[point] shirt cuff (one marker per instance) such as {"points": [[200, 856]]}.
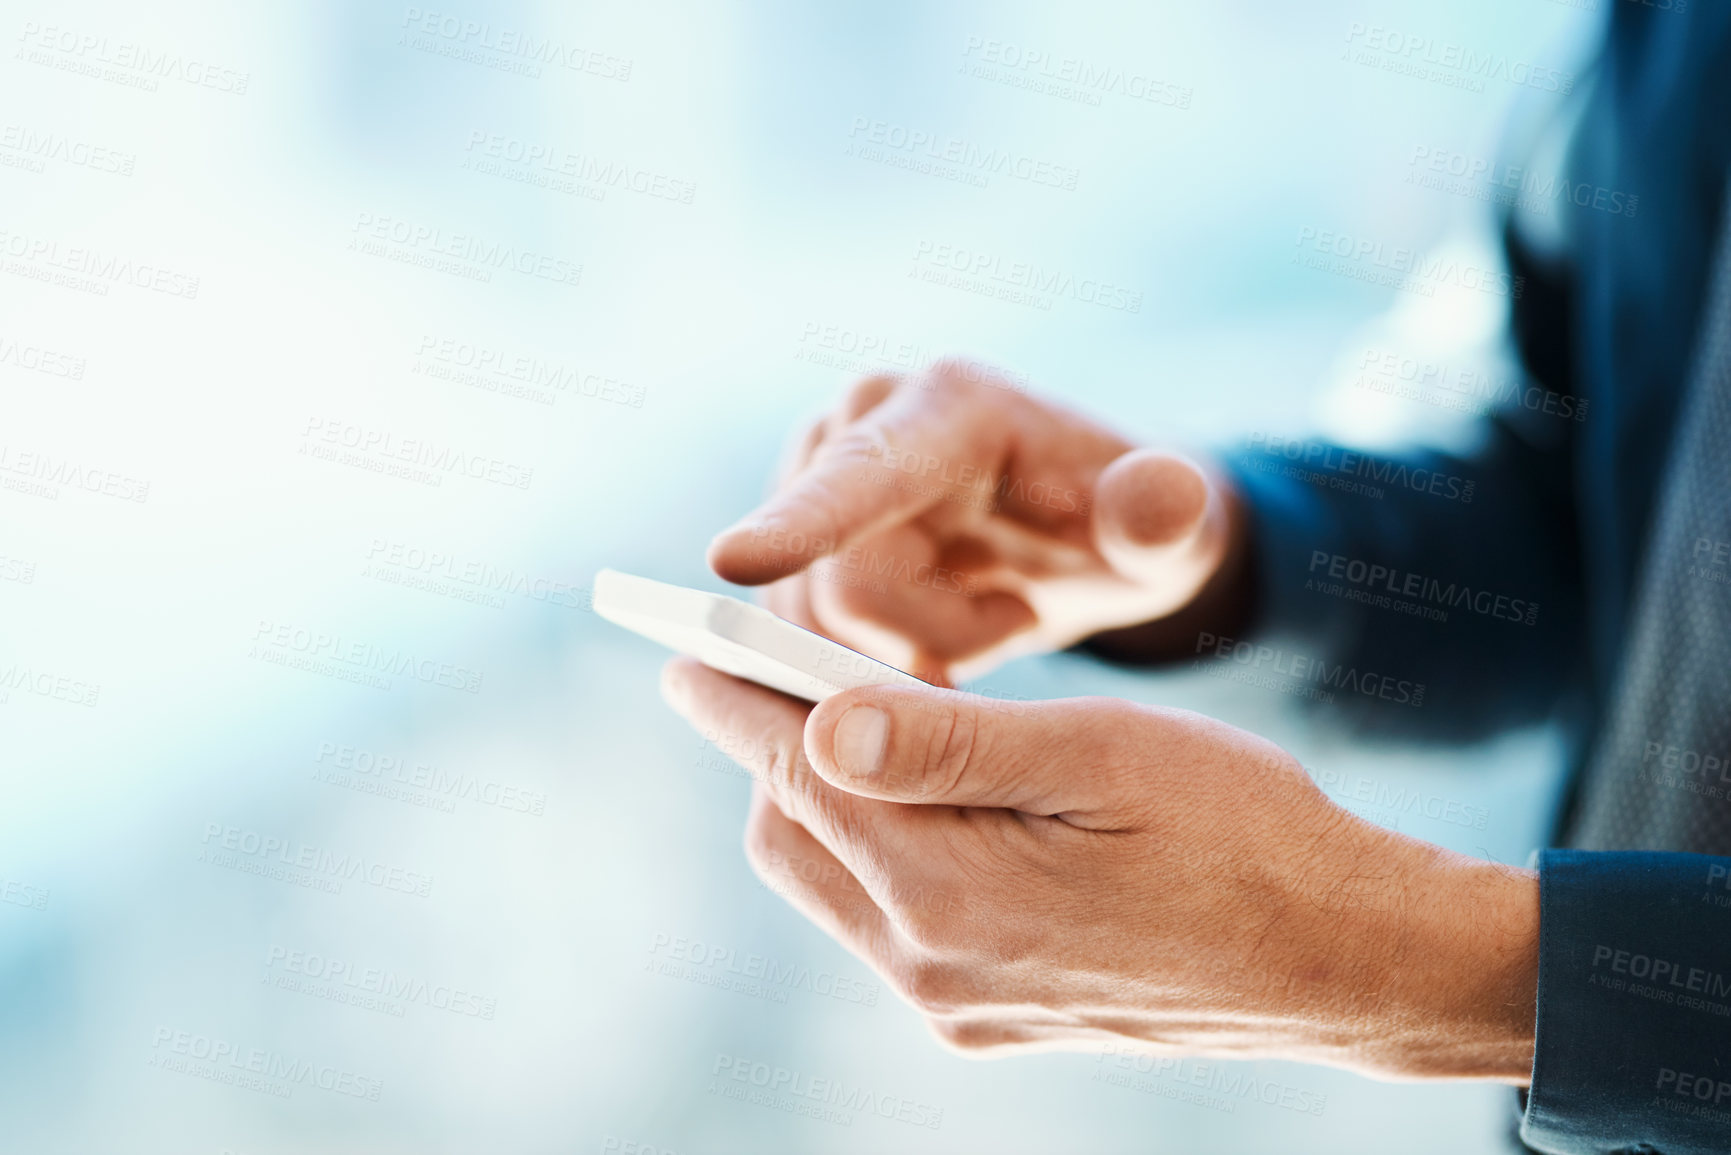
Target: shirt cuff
{"points": [[1633, 1046]]}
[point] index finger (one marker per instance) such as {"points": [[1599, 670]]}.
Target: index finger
{"points": [[887, 466]]}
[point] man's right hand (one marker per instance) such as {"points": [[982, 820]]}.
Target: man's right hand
{"points": [[947, 523]]}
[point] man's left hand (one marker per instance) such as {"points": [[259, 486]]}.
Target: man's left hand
{"points": [[1062, 875]]}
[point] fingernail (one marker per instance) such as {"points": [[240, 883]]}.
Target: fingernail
{"points": [[859, 740]]}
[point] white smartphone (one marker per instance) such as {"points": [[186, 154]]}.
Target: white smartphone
{"points": [[739, 638]]}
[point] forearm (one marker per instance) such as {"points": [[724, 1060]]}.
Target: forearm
{"points": [[1462, 984], [1409, 961]]}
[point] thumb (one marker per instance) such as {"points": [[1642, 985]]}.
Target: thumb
{"points": [[945, 747], [1153, 507]]}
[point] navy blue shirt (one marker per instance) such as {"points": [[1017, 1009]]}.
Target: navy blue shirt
{"points": [[1545, 526]]}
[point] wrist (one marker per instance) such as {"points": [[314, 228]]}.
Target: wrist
{"points": [[1459, 982]]}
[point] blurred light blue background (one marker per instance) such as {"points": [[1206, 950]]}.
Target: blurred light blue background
{"points": [[302, 161]]}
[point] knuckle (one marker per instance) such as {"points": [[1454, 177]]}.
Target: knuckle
{"points": [[861, 441], [927, 924], [968, 1036], [797, 452], [952, 750], [760, 848], [803, 440], [955, 375], [773, 764], [929, 986], [855, 599], [824, 501], [772, 868], [783, 764], [865, 393]]}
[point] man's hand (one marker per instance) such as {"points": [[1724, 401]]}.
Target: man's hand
{"points": [[947, 523], [1059, 875]]}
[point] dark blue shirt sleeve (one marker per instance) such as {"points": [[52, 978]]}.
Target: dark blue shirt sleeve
{"points": [[1634, 1015], [1458, 576]]}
